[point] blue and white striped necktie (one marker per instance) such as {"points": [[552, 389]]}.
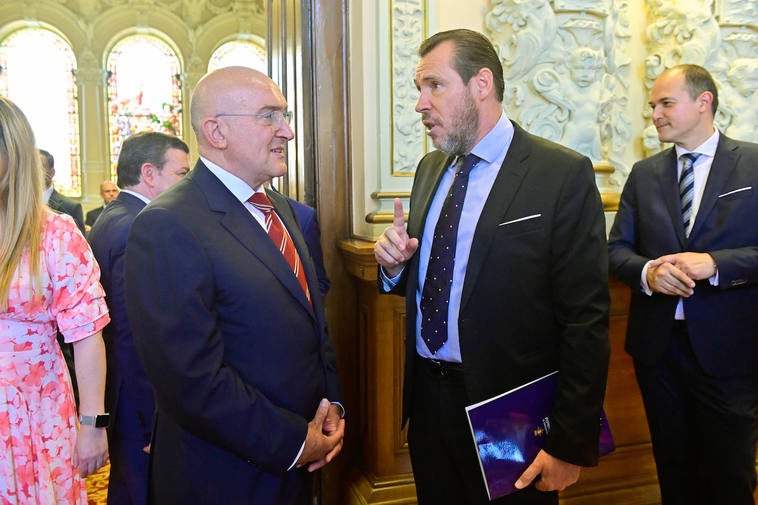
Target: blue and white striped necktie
{"points": [[687, 188]]}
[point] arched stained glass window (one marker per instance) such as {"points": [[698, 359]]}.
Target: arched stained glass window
{"points": [[144, 90], [37, 72], [242, 53]]}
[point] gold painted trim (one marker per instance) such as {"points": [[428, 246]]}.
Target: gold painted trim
{"points": [[382, 217], [386, 195]]}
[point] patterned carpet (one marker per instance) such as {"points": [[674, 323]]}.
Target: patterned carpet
{"points": [[97, 486]]}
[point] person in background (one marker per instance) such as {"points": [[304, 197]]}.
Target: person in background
{"points": [[55, 200], [526, 294], [227, 319], [685, 241], [63, 205], [148, 164], [308, 222], [48, 282], [108, 192]]}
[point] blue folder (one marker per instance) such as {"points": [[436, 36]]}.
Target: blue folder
{"points": [[509, 430]]}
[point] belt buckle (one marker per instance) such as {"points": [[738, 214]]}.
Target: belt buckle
{"points": [[439, 367]]}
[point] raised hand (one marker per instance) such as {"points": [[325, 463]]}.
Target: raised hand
{"points": [[394, 248]]}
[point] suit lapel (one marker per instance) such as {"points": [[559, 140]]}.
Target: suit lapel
{"points": [[504, 189], [285, 213], [425, 187], [236, 219], [724, 163]]}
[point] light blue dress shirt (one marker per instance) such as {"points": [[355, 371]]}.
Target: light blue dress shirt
{"points": [[491, 149]]}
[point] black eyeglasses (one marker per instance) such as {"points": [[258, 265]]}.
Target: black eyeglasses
{"points": [[273, 118]]}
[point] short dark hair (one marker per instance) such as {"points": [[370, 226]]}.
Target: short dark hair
{"points": [[698, 80], [141, 148], [473, 52], [48, 161]]}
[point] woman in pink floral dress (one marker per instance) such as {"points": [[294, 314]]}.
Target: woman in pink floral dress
{"points": [[48, 281]]}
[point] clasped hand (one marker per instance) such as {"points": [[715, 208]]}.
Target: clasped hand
{"points": [[325, 436], [675, 274], [395, 247]]}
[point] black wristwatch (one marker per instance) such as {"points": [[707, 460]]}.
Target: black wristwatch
{"points": [[98, 421]]}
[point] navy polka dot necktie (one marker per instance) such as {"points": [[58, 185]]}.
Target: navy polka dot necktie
{"points": [[435, 295]]}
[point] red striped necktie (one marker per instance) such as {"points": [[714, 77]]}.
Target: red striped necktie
{"points": [[281, 238]]}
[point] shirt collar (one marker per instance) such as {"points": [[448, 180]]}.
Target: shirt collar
{"points": [[136, 195], [239, 188], [707, 148], [491, 146]]}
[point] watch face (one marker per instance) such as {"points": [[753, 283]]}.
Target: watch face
{"points": [[102, 421]]}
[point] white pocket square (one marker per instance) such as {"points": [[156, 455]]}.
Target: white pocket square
{"points": [[746, 188], [525, 218]]}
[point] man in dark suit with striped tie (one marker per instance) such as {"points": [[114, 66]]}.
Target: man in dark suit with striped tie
{"points": [[227, 319], [686, 242]]}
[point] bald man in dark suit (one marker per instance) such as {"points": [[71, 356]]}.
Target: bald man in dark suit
{"points": [[229, 324]]}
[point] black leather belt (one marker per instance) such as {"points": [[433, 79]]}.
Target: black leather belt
{"points": [[441, 368]]}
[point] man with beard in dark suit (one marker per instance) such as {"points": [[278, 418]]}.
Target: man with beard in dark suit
{"points": [[512, 289]]}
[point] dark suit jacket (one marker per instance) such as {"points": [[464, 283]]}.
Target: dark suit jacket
{"points": [[126, 375], [93, 215], [238, 357], [65, 205], [535, 296], [722, 320], [306, 218]]}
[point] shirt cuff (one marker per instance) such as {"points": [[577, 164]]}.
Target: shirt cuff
{"points": [[342, 408], [297, 457], [643, 280], [387, 282]]}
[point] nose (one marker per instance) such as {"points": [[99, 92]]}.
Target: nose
{"points": [[657, 112], [422, 103], [285, 130]]}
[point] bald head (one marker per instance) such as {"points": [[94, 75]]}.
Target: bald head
{"points": [[239, 116], [224, 90]]}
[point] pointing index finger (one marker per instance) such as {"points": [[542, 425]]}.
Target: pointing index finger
{"points": [[399, 219]]}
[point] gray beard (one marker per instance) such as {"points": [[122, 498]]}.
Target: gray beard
{"points": [[461, 140]]}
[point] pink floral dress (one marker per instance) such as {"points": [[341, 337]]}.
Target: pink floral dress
{"points": [[37, 412]]}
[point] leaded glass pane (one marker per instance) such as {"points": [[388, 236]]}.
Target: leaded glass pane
{"points": [[242, 53], [144, 90], [37, 72]]}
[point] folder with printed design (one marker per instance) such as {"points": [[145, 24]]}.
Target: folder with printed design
{"points": [[509, 430]]}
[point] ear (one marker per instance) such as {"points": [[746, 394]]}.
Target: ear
{"points": [[147, 171], [482, 83], [214, 134], [704, 101]]}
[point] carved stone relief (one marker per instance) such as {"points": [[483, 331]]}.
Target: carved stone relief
{"points": [[567, 74], [408, 138]]}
